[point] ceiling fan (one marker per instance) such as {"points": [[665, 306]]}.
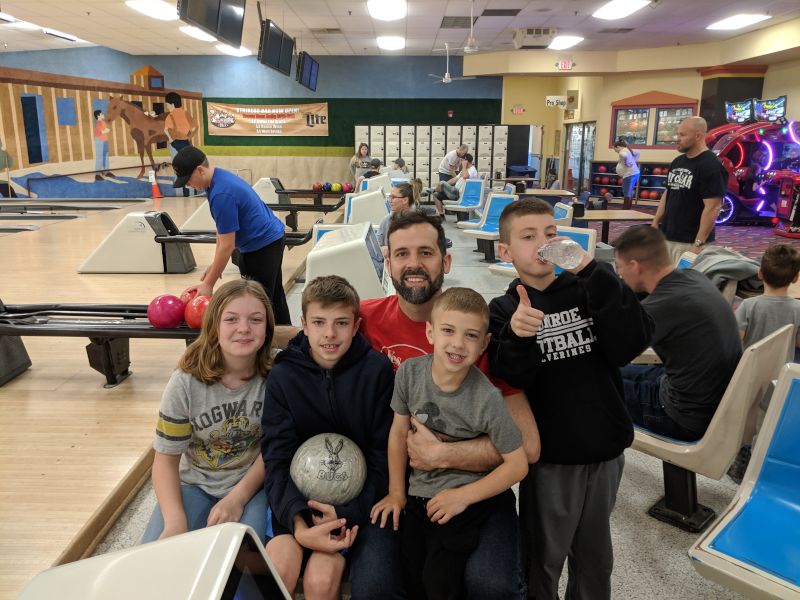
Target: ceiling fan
{"points": [[471, 47], [447, 78]]}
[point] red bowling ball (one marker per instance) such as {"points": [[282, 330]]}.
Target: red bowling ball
{"points": [[603, 191], [193, 315], [602, 169], [597, 179], [165, 312], [605, 180], [317, 187]]}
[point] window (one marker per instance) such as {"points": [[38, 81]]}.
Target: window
{"points": [[667, 121], [65, 109], [631, 124]]}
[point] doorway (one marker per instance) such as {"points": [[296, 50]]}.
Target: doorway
{"points": [[35, 133], [578, 153]]}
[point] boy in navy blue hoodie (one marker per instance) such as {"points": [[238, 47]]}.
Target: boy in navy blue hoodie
{"points": [[561, 339], [328, 380]]}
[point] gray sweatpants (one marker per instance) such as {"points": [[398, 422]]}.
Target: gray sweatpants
{"points": [[564, 513]]}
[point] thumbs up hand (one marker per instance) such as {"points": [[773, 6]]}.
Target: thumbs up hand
{"points": [[526, 320]]}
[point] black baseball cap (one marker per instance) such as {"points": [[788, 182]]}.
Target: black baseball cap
{"points": [[375, 163], [185, 162]]}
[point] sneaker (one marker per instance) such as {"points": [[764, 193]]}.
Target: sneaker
{"points": [[98, 177], [109, 174], [739, 466]]}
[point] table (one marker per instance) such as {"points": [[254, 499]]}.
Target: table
{"points": [[606, 216]]}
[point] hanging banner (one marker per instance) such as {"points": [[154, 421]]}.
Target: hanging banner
{"points": [[267, 120]]}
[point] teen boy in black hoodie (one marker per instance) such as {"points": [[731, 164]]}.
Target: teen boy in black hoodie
{"points": [[561, 339], [328, 380]]}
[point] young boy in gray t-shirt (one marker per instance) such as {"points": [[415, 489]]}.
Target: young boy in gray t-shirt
{"points": [[760, 316], [445, 508]]}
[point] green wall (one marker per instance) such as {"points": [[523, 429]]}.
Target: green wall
{"points": [[344, 114]]}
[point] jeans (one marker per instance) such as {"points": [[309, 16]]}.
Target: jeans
{"points": [[101, 155], [641, 384], [197, 504], [628, 185], [375, 564]]}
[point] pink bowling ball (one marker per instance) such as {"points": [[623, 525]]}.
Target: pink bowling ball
{"points": [[165, 312]]}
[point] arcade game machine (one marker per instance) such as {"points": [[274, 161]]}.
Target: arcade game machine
{"points": [[762, 157]]}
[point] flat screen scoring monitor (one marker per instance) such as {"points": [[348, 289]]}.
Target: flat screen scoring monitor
{"points": [[221, 18], [275, 48], [307, 70]]}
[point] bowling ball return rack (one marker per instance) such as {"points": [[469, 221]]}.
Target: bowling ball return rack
{"points": [[109, 328]]}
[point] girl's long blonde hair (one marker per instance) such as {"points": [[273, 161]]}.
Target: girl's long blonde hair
{"points": [[203, 359]]}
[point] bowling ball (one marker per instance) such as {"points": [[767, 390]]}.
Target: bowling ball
{"points": [[187, 297], [326, 187], [602, 169], [603, 191], [657, 171], [329, 468], [193, 314], [165, 312], [317, 187], [654, 195], [644, 181], [596, 179], [605, 180], [665, 171], [336, 187]]}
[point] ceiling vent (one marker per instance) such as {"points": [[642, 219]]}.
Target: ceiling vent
{"points": [[534, 38], [327, 31], [616, 30], [455, 22], [500, 12]]}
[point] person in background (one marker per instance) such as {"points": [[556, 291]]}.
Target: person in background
{"points": [[101, 146], [208, 467], [451, 189], [693, 196], [179, 125], [399, 165], [359, 163], [628, 169], [243, 223], [402, 197], [450, 163]]}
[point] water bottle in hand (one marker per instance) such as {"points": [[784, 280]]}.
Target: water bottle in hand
{"points": [[566, 254]]}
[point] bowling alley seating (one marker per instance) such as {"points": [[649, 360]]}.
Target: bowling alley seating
{"points": [[587, 238], [483, 212], [470, 199], [752, 547], [377, 182], [733, 425], [489, 233]]}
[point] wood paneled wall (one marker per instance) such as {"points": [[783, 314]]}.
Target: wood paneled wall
{"points": [[67, 143]]}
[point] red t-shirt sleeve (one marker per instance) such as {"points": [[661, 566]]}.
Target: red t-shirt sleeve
{"points": [[505, 389]]}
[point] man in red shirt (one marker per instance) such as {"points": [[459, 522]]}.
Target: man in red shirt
{"points": [[395, 326]]}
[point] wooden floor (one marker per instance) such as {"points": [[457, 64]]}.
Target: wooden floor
{"points": [[69, 441]]}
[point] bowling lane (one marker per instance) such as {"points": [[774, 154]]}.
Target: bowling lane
{"points": [[70, 441]]}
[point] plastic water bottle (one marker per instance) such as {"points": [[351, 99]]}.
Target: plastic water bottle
{"points": [[566, 254]]}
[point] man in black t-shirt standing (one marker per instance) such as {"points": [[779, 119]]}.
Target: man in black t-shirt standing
{"points": [[695, 186]]}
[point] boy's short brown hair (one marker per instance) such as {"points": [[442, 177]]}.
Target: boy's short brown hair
{"points": [[329, 290], [520, 208], [463, 300], [780, 265]]}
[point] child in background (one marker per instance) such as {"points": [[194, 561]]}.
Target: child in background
{"points": [[328, 380], [207, 468], [762, 315], [562, 338], [445, 508]]}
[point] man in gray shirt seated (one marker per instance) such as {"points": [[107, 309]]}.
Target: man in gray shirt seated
{"points": [[695, 336]]}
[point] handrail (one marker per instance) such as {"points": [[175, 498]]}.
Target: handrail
{"points": [[159, 166]]}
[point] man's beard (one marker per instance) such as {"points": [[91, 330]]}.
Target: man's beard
{"points": [[418, 294]]}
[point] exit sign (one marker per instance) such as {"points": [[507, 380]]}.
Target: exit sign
{"points": [[565, 65]]}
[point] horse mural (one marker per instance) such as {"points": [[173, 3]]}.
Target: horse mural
{"points": [[145, 130]]}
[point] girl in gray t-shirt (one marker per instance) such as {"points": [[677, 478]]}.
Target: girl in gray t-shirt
{"points": [[208, 467]]}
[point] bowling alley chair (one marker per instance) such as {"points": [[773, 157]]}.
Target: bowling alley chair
{"points": [[752, 547], [733, 425], [489, 231], [484, 212], [470, 200]]}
